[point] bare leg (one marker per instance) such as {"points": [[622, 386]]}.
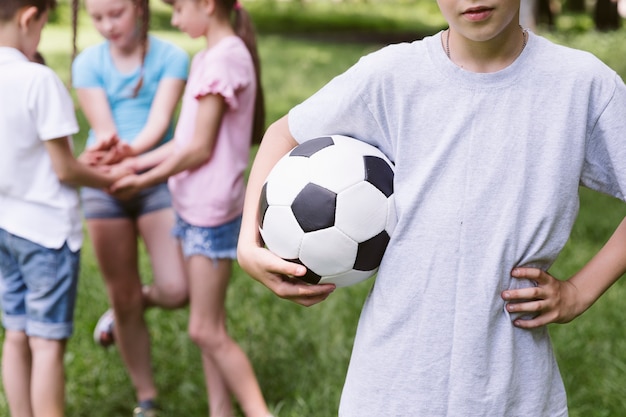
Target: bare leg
{"points": [[115, 246], [170, 287], [48, 377], [16, 372], [220, 402], [207, 329]]}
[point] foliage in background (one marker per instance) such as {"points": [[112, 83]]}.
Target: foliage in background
{"points": [[301, 354]]}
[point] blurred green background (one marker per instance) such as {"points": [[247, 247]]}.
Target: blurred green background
{"points": [[301, 354]]}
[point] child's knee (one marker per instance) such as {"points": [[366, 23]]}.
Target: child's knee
{"points": [[207, 339], [171, 295]]}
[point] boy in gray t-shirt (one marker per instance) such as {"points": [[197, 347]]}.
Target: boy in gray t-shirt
{"points": [[492, 129]]}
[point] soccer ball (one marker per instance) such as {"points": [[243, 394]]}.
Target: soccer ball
{"points": [[328, 204]]}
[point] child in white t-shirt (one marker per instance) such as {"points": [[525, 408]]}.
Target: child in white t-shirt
{"points": [[40, 222]]}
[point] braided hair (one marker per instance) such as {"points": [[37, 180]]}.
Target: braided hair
{"points": [[244, 28]]}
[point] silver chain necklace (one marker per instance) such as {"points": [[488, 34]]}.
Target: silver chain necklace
{"points": [[524, 41]]}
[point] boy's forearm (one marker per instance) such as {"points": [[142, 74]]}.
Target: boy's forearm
{"points": [[604, 269], [80, 175], [71, 171], [276, 143]]}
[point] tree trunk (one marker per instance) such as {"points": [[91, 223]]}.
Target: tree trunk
{"points": [[544, 13], [533, 12], [575, 6], [605, 15]]}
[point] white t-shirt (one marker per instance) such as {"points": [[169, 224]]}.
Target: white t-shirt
{"points": [[34, 106], [487, 174]]}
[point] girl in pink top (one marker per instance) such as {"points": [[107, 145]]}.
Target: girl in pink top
{"points": [[221, 113]]}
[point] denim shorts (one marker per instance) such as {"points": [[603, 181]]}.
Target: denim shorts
{"points": [[218, 242], [99, 205], [38, 287]]}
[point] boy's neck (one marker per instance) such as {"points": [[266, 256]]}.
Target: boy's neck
{"points": [[9, 35], [487, 56]]}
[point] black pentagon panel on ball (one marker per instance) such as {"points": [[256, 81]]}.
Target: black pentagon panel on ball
{"points": [[379, 174], [310, 277], [263, 205], [314, 208], [308, 148], [370, 252]]}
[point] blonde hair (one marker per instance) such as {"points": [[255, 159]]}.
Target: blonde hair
{"points": [[144, 8]]}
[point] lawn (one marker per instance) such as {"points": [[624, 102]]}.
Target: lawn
{"points": [[301, 355]]}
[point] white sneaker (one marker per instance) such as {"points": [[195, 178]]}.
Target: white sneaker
{"points": [[103, 333], [142, 412], [147, 408]]}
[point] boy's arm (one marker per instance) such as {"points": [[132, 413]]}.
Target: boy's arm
{"points": [[71, 172], [561, 301], [267, 268]]}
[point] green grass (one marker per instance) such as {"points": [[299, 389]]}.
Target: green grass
{"points": [[301, 355]]}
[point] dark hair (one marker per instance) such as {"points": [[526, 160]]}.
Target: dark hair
{"points": [[244, 28], [38, 58], [144, 8], [10, 7]]}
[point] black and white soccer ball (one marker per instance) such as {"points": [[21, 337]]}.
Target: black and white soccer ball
{"points": [[329, 205]]}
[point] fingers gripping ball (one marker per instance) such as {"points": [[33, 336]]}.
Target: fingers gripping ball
{"points": [[329, 205]]}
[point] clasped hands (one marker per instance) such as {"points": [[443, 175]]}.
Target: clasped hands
{"points": [[112, 155]]}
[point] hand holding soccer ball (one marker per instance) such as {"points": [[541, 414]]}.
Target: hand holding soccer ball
{"points": [[329, 205]]}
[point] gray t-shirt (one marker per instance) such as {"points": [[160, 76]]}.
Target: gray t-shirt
{"points": [[487, 174]]}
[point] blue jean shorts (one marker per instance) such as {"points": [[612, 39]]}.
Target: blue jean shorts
{"points": [[218, 242], [38, 287], [99, 205]]}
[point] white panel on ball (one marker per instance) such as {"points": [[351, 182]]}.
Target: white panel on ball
{"points": [[337, 168], [347, 278], [286, 180], [282, 232], [392, 216], [328, 251], [361, 211]]}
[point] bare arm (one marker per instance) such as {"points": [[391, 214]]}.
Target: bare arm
{"points": [[95, 105], [260, 263], [210, 111], [97, 110], [150, 159], [71, 172], [561, 301], [161, 114]]}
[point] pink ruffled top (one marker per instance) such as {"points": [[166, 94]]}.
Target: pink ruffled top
{"points": [[213, 193]]}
